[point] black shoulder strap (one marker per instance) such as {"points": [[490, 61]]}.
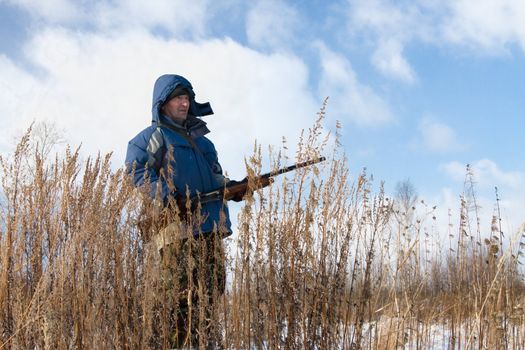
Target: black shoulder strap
{"points": [[185, 135]]}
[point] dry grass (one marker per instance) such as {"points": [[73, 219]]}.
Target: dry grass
{"points": [[321, 262]]}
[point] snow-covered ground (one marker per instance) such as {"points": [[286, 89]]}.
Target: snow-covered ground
{"points": [[413, 334]]}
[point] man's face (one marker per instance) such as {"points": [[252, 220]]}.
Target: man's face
{"points": [[177, 108]]}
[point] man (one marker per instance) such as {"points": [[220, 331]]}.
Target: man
{"points": [[177, 161]]}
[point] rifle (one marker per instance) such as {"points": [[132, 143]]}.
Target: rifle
{"points": [[234, 191], [239, 188]]}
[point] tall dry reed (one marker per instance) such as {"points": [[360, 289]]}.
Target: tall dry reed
{"points": [[323, 259]]}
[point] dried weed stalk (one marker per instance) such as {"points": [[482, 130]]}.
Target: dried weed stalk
{"points": [[322, 260]]}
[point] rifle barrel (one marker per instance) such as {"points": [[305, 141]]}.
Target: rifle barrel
{"points": [[293, 167]]}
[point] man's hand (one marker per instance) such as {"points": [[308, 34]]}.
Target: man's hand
{"points": [[237, 189]]}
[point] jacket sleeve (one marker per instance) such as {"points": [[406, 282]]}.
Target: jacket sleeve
{"points": [[144, 159]]}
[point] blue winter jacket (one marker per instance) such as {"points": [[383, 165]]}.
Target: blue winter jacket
{"points": [[194, 165]]}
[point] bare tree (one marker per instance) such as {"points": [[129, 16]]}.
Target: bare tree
{"points": [[45, 136], [406, 196]]}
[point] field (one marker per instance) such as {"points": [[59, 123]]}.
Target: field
{"points": [[322, 259]]}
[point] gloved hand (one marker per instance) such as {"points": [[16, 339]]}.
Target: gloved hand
{"points": [[237, 189]]}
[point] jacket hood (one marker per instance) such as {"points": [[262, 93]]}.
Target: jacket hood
{"points": [[164, 85]]}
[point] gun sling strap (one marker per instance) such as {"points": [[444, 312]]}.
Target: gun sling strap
{"points": [[184, 134]]}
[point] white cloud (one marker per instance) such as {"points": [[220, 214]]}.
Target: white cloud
{"points": [[391, 27], [54, 11], [18, 91], [388, 58], [437, 137], [488, 172], [271, 24], [455, 170], [99, 88], [485, 24], [487, 175], [378, 15], [173, 16], [349, 99]]}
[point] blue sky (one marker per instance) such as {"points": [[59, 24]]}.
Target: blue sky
{"points": [[421, 87]]}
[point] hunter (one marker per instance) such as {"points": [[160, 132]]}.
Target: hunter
{"points": [[177, 161]]}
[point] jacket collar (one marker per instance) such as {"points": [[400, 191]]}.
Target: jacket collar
{"points": [[195, 127]]}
